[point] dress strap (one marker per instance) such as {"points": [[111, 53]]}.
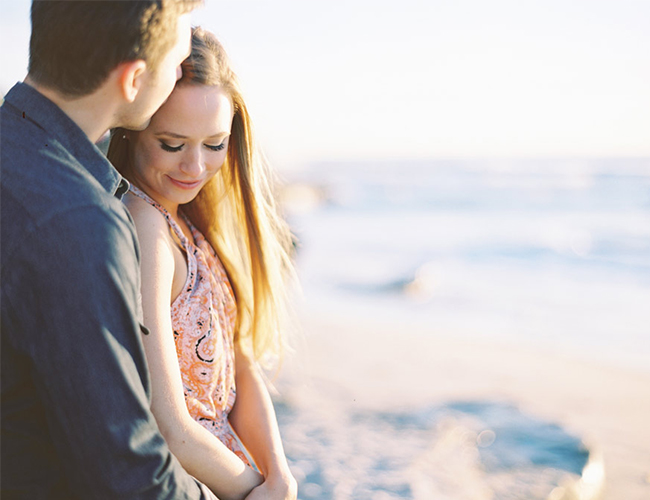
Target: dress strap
{"points": [[170, 220]]}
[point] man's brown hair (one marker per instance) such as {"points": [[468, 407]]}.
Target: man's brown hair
{"points": [[75, 44]]}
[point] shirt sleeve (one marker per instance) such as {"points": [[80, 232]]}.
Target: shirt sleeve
{"points": [[77, 324]]}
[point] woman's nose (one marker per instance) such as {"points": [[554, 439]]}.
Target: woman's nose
{"points": [[193, 162]]}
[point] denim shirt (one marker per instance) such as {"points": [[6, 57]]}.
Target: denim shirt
{"points": [[75, 410]]}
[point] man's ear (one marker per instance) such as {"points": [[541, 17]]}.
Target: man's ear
{"points": [[131, 75]]}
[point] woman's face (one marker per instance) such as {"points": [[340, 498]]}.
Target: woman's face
{"points": [[184, 146]]}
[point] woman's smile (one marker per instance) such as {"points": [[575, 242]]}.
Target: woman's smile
{"points": [[185, 184]]}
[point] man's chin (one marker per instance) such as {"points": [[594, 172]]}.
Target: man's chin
{"points": [[137, 127]]}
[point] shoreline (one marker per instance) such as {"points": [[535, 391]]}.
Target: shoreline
{"points": [[351, 363]]}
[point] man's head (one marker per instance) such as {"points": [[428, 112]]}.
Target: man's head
{"points": [[76, 45]]}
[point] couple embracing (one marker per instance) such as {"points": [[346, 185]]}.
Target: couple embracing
{"points": [[139, 292]]}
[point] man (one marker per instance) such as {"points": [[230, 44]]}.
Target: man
{"points": [[75, 390]]}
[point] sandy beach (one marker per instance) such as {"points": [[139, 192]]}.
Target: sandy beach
{"points": [[345, 367], [471, 332]]}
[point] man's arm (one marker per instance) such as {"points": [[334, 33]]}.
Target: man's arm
{"points": [[79, 329]]}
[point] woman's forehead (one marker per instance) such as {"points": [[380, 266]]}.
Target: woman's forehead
{"points": [[192, 108]]}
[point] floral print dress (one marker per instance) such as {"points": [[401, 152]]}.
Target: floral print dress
{"points": [[203, 320]]}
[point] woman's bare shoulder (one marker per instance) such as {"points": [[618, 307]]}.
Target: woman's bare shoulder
{"points": [[150, 223]]}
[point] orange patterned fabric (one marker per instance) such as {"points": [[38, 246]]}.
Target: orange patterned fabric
{"points": [[203, 320]]}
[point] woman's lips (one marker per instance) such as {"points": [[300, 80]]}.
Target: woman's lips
{"points": [[185, 185]]}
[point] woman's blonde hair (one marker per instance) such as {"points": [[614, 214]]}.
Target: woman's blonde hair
{"points": [[236, 210]]}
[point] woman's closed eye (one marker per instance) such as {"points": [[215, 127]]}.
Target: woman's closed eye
{"points": [[169, 148], [175, 149], [218, 147]]}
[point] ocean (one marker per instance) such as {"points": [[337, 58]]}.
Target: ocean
{"points": [[550, 253]]}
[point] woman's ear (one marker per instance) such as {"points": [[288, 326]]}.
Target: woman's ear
{"points": [[131, 78]]}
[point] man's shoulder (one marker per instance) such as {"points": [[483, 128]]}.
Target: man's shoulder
{"points": [[18, 131], [42, 175], [44, 181], [45, 156], [47, 195]]}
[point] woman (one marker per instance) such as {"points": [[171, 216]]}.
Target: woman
{"points": [[215, 255]]}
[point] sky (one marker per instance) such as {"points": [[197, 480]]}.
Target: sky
{"points": [[427, 79]]}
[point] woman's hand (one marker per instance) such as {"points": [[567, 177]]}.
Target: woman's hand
{"points": [[254, 421], [280, 486]]}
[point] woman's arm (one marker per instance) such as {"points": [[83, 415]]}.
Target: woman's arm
{"points": [[201, 453], [254, 420]]}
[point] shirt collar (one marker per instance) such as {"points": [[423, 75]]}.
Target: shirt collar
{"points": [[37, 108]]}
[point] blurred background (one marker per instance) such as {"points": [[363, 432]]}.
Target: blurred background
{"points": [[469, 183], [418, 79]]}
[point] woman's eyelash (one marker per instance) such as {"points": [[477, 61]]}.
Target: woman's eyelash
{"points": [[170, 149], [176, 149]]}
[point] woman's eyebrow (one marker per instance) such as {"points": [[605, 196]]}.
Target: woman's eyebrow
{"points": [[174, 135]]}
